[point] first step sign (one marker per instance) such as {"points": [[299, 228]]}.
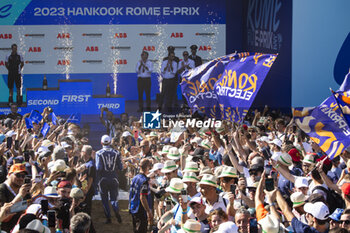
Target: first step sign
{"points": [[70, 97]]}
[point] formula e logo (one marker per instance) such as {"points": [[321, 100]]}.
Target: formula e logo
{"points": [[4, 11], [151, 120]]}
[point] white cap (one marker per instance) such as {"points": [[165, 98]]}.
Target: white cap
{"points": [[65, 145], [301, 182], [106, 139], [157, 166], [126, 134], [36, 225], [318, 209], [277, 142]]}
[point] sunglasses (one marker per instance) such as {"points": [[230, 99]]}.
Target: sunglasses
{"points": [[346, 222], [19, 175]]}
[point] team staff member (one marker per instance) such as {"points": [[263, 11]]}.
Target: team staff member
{"points": [[144, 68], [169, 83], [108, 162], [140, 198], [197, 59], [14, 64]]}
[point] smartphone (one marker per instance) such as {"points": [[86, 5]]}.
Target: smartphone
{"points": [[168, 205], [233, 188], [19, 207], [51, 218], [269, 184], [27, 180], [9, 142], [44, 206], [268, 169], [184, 195]]}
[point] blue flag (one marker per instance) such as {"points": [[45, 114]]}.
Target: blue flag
{"points": [[225, 88], [74, 118], [35, 116], [345, 86], [45, 129], [54, 118], [29, 123], [325, 125]]}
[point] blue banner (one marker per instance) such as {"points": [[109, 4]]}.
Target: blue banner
{"points": [[29, 123], [74, 118], [226, 87], [35, 116], [45, 129], [114, 12], [54, 118]]}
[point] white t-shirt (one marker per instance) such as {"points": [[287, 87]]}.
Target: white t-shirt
{"points": [[221, 203]]}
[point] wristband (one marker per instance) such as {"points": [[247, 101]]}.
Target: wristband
{"points": [[184, 212], [272, 204]]}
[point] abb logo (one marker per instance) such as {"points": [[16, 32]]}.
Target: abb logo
{"points": [[121, 35], [177, 35], [2, 63], [6, 36], [149, 48], [34, 49], [63, 62], [63, 35], [204, 48], [91, 49], [121, 62]]}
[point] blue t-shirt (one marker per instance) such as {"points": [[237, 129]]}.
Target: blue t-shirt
{"points": [[300, 227]]}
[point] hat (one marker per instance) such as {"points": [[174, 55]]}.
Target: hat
{"points": [[208, 179], [336, 214], [191, 226], [51, 191], [194, 47], [42, 150], [47, 143], [165, 150], [197, 140], [285, 159], [157, 166], [205, 170], [345, 188], [59, 165], [263, 139], [105, 139], [318, 209], [173, 153], [165, 141], [190, 177], [18, 168], [64, 184], [298, 199], [153, 134], [270, 224], [65, 145], [309, 158], [13, 160], [191, 167], [58, 153], [197, 200], [277, 142], [76, 193], [175, 186], [253, 185], [228, 172], [125, 134], [206, 144], [301, 182], [36, 225], [295, 154], [169, 166]]}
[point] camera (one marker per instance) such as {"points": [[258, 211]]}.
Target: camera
{"points": [[160, 193]]}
